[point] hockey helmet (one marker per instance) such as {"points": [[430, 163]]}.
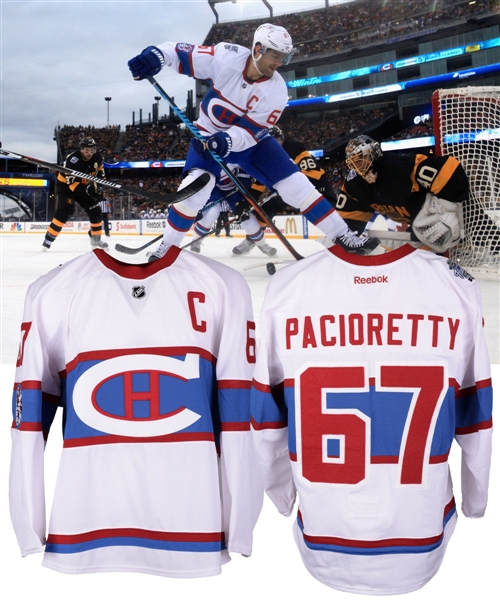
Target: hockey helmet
{"points": [[273, 37], [360, 154], [276, 132], [88, 142]]}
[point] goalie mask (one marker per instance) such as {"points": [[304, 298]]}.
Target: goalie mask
{"points": [[272, 37], [360, 154]]}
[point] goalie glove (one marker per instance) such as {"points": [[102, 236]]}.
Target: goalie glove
{"points": [[439, 223]]}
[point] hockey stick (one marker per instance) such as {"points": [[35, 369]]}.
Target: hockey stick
{"points": [[403, 236], [128, 250], [213, 230], [178, 196], [236, 219], [230, 221], [226, 169]]}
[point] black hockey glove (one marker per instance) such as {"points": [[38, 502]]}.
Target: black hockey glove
{"points": [[95, 192]]}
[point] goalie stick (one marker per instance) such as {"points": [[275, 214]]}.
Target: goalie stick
{"points": [[401, 236], [226, 169], [178, 196]]}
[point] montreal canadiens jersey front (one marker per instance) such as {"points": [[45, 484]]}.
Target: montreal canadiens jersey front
{"points": [[244, 108], [152, 365], [367, 369]]}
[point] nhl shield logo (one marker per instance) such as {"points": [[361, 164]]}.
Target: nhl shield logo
{"points": [[138, 291]]}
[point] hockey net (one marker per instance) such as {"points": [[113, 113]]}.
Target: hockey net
{"points": [[467, 126]]}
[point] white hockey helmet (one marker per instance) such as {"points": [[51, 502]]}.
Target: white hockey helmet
{"points": [[273, 37], [360, 154]]}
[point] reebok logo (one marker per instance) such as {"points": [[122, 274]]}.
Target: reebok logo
{"points": [[365, 280]]}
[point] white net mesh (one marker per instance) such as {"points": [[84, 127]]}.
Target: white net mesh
{"points": [[467, 126]]}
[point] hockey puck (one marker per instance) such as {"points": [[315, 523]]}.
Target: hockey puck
{"points": [[271, 268]]}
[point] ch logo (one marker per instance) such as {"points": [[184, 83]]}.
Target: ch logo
{"points": [[222, 113], [128, 411]]}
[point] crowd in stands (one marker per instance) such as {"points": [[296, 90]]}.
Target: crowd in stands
{"points": [[329, 29], [415, 131], [70, 136], [337, 27], [137, 207], [151, 141], [165, 141], [331, 127]]}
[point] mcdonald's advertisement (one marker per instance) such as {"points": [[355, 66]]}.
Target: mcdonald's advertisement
{"points": [[296, 226]]}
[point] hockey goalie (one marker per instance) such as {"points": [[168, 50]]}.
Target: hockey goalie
{"points": [[423, 192]]}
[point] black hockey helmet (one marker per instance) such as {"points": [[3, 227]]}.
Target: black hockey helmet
{"points": [[88, 142]]}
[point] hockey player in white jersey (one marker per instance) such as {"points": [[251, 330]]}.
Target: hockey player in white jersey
{"points": [[226, 188], [367, 369], [246, 98], [157, 473]]}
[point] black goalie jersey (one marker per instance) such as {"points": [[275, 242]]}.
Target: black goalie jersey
{"points": [[400, 189]]}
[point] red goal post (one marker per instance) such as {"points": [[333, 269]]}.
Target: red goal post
{"points": [[467, 126]]}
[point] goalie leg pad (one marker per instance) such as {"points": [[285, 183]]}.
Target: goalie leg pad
{"points": [[438, 224]]}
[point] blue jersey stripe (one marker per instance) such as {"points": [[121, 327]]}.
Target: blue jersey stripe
{"points": [[377, 547]]}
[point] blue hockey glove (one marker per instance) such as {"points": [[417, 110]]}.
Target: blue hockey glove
{"points": [[146, 64], [220, 143]]}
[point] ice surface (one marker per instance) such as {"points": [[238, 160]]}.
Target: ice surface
{"points": [[22, 261]]}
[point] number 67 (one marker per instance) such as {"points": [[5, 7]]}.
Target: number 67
{"points": [[351, 427]]}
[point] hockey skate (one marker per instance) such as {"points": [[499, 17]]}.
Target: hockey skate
{"points": [[196, 246], [159, 252], [96, 242], [244, 248], [46, 245], [355, 244], [267, 249]]}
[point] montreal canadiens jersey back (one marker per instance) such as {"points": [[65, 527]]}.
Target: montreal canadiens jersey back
{"points": [[152, 365], [367, 369]]}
